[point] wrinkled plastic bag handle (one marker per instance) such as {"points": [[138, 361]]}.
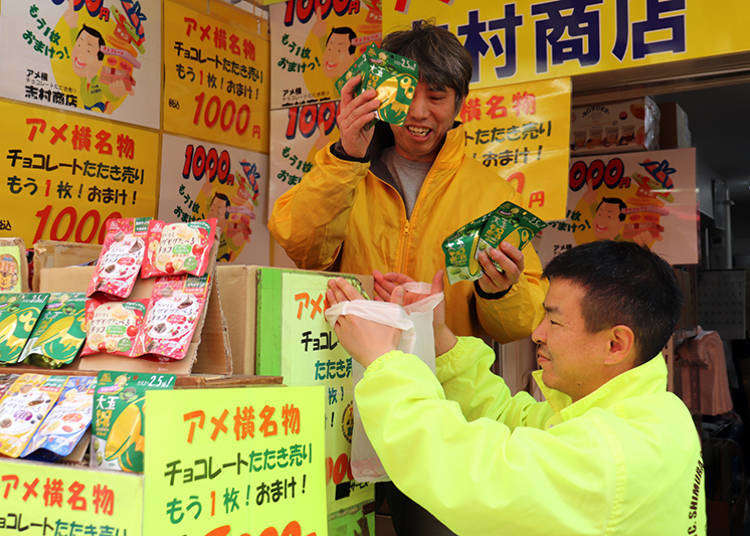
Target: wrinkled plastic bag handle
{"points": [[388, 314]]}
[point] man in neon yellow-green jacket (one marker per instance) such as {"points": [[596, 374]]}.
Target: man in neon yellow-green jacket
{"points": [[609, 452]]}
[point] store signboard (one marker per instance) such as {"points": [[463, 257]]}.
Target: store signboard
{"points": [[297, 133], [227, 462], [207, 180], [648, 198], [313, 43], [529, 40], [101, 57], [63, 175], [296, 342], [521, 131], [216, 75], [41, 499]]}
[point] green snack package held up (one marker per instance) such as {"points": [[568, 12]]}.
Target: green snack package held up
{"points": [[395, 79], [358, 67], [460, 250], [58, 334], [18, 316], [117, 427]]}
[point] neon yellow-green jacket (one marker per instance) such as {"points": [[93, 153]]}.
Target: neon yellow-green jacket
{"points": [[624, 460]]}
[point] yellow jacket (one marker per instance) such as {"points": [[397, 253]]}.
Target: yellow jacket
{"points": [[343, 202], [624, 460]]}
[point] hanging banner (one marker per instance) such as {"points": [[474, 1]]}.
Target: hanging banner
{"points": [[314, 43], [203, 180], [227, 462], [44, 499], [648, 198], [528, 40], [522, 132], [297, 133], [62, 176], [216, 75], [101, 57]]}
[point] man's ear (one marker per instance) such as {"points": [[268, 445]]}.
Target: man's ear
{"points": [[621, 347]]}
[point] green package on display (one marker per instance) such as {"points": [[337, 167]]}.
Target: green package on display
{"points": [[19, 313], [117, 427], [59, 332]]}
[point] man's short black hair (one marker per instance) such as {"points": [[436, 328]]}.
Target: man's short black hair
{"points": [[345, 30], [98, 35], [614, 201], [443, 61], [223, 197], [624, 283]]}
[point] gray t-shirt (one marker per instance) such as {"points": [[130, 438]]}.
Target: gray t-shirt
{"points": [[408, 175]]}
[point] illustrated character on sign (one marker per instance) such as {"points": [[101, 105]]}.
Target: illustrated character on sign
{"points": [[235, 225], [87, 57], [339, 52], [609, 218], [8, 272]]}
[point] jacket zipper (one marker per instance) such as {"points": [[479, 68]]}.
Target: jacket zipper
{"points": [[403, 239]]}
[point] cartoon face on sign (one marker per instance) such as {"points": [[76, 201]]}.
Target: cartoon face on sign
{"points": [[339, 52]]}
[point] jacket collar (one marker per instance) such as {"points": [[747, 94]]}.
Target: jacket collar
{"points": [[650, 377]]}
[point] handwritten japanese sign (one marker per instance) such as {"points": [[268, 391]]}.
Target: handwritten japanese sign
{"points": [[216, 79], [517, 41], [205, 180], [311, 47], [522, 132], [41, 499], [63, 175], [228, 462], [297, 133], [648, 198], [101, 57], [296, 342]]}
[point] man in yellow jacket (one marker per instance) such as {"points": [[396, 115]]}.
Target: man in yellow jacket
{"points": [[609, 452]]}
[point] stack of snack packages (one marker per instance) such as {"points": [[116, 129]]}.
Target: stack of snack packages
{"points": [[393, 77], [507, 223], [161, 327]]}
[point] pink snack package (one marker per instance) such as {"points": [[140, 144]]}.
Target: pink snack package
{"points": [[121, 257], [114, 327], [179, 248], [174, 310]]}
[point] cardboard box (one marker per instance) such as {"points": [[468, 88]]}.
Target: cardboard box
{"points": [[237, 284], [53, 254], [674, 132], [15, 265], [614, 127]]}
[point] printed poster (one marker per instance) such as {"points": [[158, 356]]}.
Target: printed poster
{"points": [[648, 198], [41, 499], [522, 132], [100, 57], [205, 180], [536, 39], [314, 43], [239, 461], [216, 74], [297, 134], [62, 175]]}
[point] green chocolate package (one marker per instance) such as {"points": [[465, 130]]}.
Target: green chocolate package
{"points": [[18, 316], [58, 334], [117, 427], [460, 250]]}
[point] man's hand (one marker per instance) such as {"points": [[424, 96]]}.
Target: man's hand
{"points": [[355, 115], [70, 15], [365, 340], [388, 288], [509, 258]]}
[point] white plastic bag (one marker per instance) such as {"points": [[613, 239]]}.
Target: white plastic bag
{"points": [[415, 322]]}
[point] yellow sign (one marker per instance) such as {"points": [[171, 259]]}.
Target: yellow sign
{"points": [[527, 40], [522, 132], [228, 462], [51, 499], [65, 175], [216, 75]]}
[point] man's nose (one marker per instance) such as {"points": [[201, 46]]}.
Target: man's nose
{"points": [[418, 107], [539, 334]]}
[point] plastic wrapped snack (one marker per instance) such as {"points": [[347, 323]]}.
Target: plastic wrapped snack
{"points": [[58, 334], [118, 424], [121, 257], [174, 310], [24, 407], [179, 248], [114, 327], [18, 316]]}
